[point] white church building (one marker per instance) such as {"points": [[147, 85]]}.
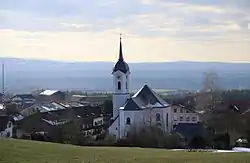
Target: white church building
{"points": [[144, 108]]}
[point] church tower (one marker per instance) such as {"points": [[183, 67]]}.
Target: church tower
{"points": [[121, 75]]}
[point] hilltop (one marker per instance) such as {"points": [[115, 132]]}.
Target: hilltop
{"points": [[12, 151]]}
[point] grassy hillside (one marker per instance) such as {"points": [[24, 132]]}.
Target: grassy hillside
{"points": [[18, 151]]}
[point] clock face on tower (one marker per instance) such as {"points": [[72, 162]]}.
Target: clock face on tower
{"points": [[118, 77]]}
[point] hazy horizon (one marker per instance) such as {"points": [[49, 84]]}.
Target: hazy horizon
{"points": [[77, 61], [27, 75]]}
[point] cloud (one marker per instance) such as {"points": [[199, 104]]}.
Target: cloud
{"points": [[172, 30]]}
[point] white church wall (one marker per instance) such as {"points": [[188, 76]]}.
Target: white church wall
{"points": [[118, 101], [168, 118], [113, 129], [120, 77], [121, 95], [163, 121], [136, 119]]}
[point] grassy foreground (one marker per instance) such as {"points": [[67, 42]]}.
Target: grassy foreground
{"points": [[19, 151]]}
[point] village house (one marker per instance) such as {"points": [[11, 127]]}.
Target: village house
{"points": [[41, 107], [50, 120], [183, 114], [8, 125]]}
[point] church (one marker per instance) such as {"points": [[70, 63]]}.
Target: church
{"points": [[144, 108]]}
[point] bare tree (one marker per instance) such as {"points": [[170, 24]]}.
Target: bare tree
{"points": [[209, 99], [210, 81]]}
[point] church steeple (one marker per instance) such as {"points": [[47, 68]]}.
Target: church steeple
{"points": [[121, 65], [121, 76], [120, 51]]}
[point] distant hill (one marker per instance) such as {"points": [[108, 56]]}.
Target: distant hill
{"points": [[27, 75]]}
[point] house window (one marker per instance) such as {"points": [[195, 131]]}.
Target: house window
{"points": [[128, 121], [175, 118], [158, 117], [187, 118], [181, 110], [9, 125], [119, 85], [181, 118], [175, 110], [193, 119]]}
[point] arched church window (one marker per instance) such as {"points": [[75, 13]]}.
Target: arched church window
{"points": [[128, 121], [158, 117], [126, 85], [119, 85]]}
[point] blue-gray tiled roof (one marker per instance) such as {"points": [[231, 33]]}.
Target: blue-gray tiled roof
{"points": [[143, 99]]}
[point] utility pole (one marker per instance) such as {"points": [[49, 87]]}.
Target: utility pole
{"points": [[3, 85]]}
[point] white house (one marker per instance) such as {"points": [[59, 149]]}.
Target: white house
{"points": [[144, 108], [182, 114]]}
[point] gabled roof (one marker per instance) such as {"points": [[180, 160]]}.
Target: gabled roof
{"points": [[26, 104], [145, 98], [130, 105], [49, 106], [49, 92], [186, 108], [23, 97]]}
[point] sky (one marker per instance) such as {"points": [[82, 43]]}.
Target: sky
{"points": [[152, 30]]}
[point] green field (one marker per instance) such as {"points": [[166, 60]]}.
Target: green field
{"points": [[17, 151]]}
